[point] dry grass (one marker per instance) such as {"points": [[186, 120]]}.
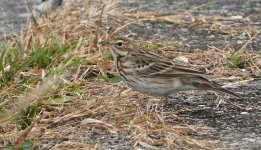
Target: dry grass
{"points": [[101, 112]]}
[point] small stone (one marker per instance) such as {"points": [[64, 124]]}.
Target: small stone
{"points": [[244, 113]]}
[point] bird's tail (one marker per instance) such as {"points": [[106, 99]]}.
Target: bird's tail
{"points": [[220, 89], [205, 84]]}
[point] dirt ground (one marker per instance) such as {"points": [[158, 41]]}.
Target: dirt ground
{"points": [[235, 123]]}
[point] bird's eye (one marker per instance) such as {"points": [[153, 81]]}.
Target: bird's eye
{"points": [[119, 43]]}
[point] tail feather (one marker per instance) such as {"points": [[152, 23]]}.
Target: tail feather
{"points": [[220, 89], [205, 84]]}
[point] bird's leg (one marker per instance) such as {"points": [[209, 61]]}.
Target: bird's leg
{"points": [[159, 104], [152, 105]]}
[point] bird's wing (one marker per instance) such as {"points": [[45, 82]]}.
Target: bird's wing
{"points": [[153, 65]]}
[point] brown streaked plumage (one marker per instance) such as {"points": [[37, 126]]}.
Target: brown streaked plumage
{"points": [[156, 75]]}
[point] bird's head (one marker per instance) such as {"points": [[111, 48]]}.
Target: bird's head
{"points": [[118, 47]]}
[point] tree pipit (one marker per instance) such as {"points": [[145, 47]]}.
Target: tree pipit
{"points": [[153, 74]]}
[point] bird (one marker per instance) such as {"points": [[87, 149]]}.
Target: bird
{"points": [[153, 74]]}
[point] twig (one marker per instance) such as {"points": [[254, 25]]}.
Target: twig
{"points": [[245, 45]]}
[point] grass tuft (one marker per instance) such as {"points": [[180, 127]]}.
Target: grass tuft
{"points": [[24, 70], [240, 59]]}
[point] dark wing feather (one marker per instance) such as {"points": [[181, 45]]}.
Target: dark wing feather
{"points": [[156, 66]]}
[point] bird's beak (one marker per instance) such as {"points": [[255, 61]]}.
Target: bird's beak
{"points": [[103, 42]]}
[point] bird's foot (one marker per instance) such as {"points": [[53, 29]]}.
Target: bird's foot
{"points": [[152, 105]]}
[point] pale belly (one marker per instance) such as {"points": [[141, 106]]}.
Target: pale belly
{"points": [[159, 89]]}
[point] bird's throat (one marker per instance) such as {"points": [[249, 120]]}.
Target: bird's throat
{"points": [[116, 53]]}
